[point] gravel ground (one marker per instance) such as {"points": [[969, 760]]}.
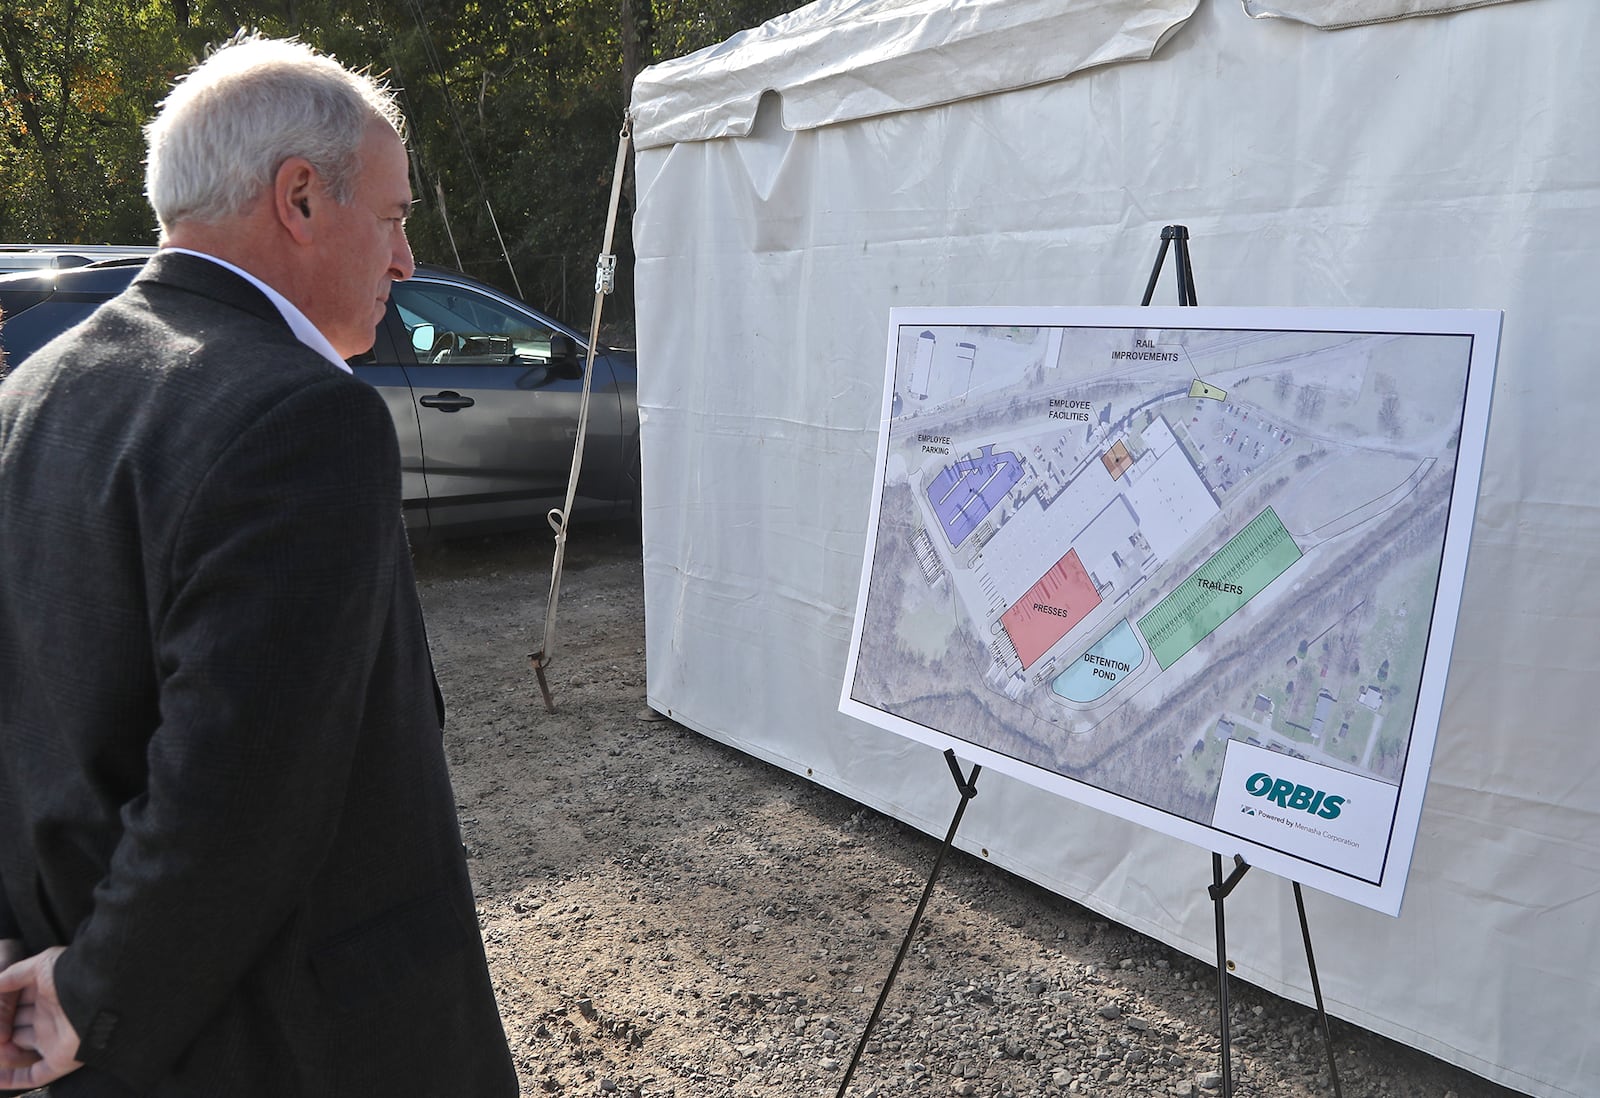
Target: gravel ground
{"points": [[665, 916]]}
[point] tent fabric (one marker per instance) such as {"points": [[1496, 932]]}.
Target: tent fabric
{"points": [[1339, 14], [1426, 163], [838, 60]]}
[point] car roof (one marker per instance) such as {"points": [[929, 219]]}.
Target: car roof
{"points": [[33, 257], [113, 272], [450, 274], [109, 277]]}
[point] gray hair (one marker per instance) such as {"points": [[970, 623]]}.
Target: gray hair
{"points": [[227, 127]]}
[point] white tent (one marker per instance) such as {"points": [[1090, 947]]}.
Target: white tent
{"points": [[798, 180]]}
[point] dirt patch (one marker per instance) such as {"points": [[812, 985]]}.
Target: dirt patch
{"points": [[665, 916]]}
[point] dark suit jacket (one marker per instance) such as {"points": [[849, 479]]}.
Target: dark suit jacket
{"points": [[222, 781]]}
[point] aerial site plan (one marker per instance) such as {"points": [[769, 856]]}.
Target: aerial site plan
{"points": [[1196, 567]]}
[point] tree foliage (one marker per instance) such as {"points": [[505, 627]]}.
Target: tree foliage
{"points": [[514, 107], [77, 78]]}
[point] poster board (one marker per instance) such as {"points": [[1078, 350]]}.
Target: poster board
{"points": [[1199, 568]]}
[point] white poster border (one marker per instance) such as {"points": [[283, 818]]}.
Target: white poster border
{"points": [[1483, 326]]}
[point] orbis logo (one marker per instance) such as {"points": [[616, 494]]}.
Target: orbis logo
{"points": [[1287, 794]]}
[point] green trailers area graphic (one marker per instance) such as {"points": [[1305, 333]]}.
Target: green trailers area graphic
{"points": [[1237, 573]]}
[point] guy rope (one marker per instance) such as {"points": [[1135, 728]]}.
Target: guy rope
{"points": [[605, 280]]}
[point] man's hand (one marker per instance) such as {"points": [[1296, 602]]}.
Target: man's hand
{"points": [[37, 1043], [10, 1056]]}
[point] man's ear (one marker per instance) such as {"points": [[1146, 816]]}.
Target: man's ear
{"points": [[294, 193]]}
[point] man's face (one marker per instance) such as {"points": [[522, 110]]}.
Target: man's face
{"points": [[363, 248]]}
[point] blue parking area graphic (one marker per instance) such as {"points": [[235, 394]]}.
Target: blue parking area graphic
{"points": [[969, 488]]}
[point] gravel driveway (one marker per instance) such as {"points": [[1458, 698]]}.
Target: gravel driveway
{"points": [[668, 917]]}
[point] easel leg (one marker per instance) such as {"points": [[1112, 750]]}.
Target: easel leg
{"points": [[1316, 990], [1219, 892], [1185, 270], [1170, 233], [1155, 272], [969, 789]]}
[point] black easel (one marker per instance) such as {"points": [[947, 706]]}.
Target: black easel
{"points": [[1220, 887], [1180, 233], [968, 787], [1219, 892]]}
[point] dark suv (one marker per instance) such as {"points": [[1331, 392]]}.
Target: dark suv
{"points": [[484, 391]]}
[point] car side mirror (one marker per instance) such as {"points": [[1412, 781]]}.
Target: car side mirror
{"points": [[422, 338], [564, 360]]}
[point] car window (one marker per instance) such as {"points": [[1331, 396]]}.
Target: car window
{"points": [[25, 332], [449, 325]]}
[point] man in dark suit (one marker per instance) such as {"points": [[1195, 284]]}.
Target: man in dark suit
{"points": [[229, 856]]}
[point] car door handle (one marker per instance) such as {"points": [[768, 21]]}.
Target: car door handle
{"points": [[446, 401]]}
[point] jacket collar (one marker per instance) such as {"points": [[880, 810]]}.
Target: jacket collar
{"points": [[201, 276]]}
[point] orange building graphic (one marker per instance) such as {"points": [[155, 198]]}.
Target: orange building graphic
{"points": [[1117, 460]]}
